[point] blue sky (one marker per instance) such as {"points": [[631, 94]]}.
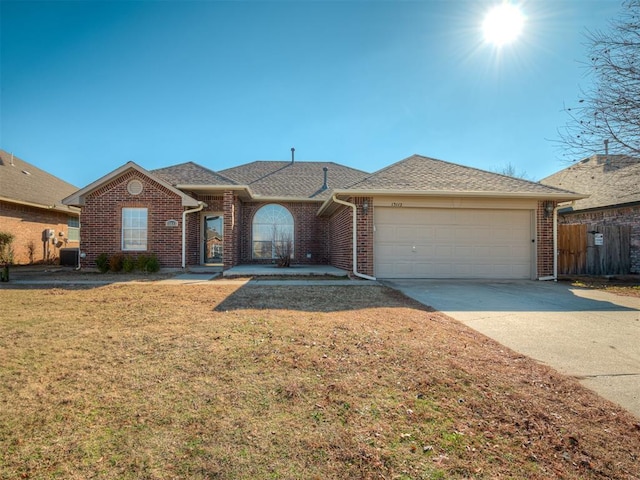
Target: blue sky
{"points": [[86, 86]]}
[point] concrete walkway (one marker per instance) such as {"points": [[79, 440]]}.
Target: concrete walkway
{"points": [[294, 270], [589, 334]]}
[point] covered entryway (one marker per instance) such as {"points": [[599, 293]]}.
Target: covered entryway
{"points": [[453, 243], [212, 241]]}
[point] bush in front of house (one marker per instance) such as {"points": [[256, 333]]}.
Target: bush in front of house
{"points": [[102, 262], [6, 254], [148, 263], [115, 262], [118, 262], [128, 264], [153, 264]]}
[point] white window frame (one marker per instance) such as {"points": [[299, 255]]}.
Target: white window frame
{"points": [[134, 229], [73, 229], [268, 221]]}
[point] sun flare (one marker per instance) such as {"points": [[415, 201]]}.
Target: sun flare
{"points": [[503, 24]]}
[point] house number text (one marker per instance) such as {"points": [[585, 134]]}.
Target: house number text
{"points": [[396, 204]]}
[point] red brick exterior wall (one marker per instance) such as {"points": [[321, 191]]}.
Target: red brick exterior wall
{"points": [[341, 236], [233, 211], [365, 235], [627, 215], [101, 219], [26, 224], [310, 233], [544, 241]]}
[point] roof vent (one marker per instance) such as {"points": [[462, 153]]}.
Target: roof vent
{"points": [[135, 187], [293, 150], [324, 185]]}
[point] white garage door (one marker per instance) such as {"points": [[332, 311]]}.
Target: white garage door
{"points": [[452, 243]]}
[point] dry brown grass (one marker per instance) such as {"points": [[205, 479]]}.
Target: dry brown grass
{"points": [[628, 286], [249, 382]]}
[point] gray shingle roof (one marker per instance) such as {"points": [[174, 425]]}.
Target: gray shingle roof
{"points": [[23, 182], [608, 179], [418, 173], [295, 180], [191, 173]]}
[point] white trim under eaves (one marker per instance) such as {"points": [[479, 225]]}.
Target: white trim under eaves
{"points": [[58, 208], [558, 196]]}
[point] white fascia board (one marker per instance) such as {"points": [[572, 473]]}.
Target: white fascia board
{"points": [[559, 196], [259, 198], [207, 188], [58, 208]]}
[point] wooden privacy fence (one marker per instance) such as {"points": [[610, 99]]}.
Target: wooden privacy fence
{"points": [[594, 249]]}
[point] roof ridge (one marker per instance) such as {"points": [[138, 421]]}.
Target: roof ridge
{"points": [[209, 170]]}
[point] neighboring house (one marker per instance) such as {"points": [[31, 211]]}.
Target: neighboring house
{"points": [[613, 185], [31, 209], [419, 217]]}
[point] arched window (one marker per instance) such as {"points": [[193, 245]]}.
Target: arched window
{"points": [[272, 232]]}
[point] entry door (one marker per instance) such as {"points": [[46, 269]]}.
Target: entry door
{"points": [[213, 236]]}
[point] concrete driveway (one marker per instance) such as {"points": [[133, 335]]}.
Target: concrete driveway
{"points": [[589, 334]]}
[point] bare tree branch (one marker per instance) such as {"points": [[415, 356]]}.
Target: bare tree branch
{"points": [[610, 109]]}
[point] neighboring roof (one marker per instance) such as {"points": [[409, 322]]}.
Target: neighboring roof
{"points": [[608, 180], [23, 183], [77, 198], [293, 179], [422, 175], [191, 173]]}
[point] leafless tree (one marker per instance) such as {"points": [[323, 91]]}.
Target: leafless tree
{"points": [[283, 247], [510, 170], [607, 117]]}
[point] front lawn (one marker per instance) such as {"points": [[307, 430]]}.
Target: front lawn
{"points": [[262, 382]]}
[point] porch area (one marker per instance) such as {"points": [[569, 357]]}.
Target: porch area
{"points": [[272, 270]]}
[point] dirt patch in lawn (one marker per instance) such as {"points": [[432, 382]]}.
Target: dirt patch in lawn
{"points": [[252, 381], [625, 285]]}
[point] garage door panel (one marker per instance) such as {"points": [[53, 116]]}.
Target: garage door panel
{"points": [[406, 234], [452, 243]]}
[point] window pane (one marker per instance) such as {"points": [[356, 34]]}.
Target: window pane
{"points": [[134, 229], [272, 226]]}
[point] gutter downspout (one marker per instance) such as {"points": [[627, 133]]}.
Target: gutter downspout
{"points": [[200, 206], [554, 277], [355, 239]]}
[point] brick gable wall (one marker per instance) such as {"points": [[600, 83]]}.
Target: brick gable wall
{"points": [[623, 216], [26, 224], [101, 219]]}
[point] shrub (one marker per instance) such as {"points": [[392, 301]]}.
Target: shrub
{"points": [[153, 264], [6, 251], [129, 264], [148, 263], [31, 250], [115, 262], [102, 262], [141, 262]]}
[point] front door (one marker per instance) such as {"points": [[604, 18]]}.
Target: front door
{"points": [[212, 238]]}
